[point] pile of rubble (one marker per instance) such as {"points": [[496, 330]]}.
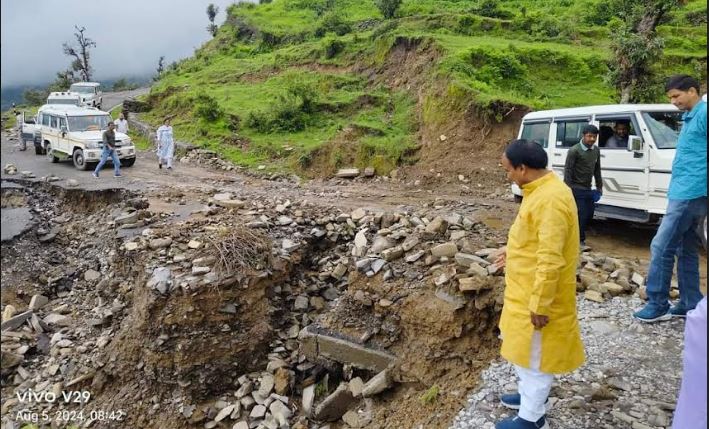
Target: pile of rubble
{"points": [[255, 313]]}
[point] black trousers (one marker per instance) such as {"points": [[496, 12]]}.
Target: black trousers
{"points": [[586, 206]]}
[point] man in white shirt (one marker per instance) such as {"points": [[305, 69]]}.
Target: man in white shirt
{"points": [[121, 124]]}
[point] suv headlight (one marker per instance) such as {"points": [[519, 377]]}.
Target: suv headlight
{"points": [[127, 142], [92, 145]]}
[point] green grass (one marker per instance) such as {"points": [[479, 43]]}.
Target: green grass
{"points": [[537, 54]]}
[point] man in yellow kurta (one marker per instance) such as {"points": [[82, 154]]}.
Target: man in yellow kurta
{"points": [[539, 326]]}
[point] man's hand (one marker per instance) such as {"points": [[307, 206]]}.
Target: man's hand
{"points": [[539, 321], [501, 257]]}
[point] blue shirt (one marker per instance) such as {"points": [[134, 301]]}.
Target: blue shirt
{"points": [[689, 168]]}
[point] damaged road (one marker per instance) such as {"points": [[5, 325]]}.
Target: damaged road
{"points": [[217, 299]]}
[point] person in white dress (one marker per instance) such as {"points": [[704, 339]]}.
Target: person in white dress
{"points": [[121, 124], [166, 144]]}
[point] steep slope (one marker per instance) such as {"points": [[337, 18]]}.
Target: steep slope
{"points": [[314, 85]]}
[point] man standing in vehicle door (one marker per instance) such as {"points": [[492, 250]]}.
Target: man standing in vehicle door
{"points": [[583, 163], [686, 208]]}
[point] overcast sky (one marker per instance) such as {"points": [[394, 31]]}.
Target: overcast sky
{"points": [[130, 35]]}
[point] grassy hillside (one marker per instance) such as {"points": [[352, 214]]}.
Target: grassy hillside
{"points": [[312, 85]]}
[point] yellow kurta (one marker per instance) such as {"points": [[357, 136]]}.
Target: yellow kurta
{"points": [[542, 255]]}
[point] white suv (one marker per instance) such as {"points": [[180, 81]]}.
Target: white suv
{"points": [[71, 132], [90, 93], [70, 98]]}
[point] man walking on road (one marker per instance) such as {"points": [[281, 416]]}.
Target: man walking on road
{"points": [[539, 326], [109, 149], [686, 207], [583, 163]]}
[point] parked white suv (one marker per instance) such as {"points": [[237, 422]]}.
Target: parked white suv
{"points": [[71, 132], [636, 177], [90, 93], [70, 98]]}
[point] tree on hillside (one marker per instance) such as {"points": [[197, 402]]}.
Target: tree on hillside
{"points": [[63, 81], [161, 67], [80, 54], [637, 47], [212, 12], [388, 8]]}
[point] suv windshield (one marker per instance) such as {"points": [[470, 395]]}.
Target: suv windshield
{"points": [[82, 89], [88, 123], [664, 127]]}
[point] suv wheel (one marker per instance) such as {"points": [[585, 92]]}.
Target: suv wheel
{"points": [[79, 160], [50, 153], [127, 162]]}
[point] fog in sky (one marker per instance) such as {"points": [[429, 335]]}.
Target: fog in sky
{"points": [[130, 35]]}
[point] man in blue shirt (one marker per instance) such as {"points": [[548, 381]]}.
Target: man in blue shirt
{"points": [[686, 207]]}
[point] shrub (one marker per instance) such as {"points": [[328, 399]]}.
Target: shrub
{"points": [[388, 8], [333, 22], [333, 46], [207, 108], [491, 9]]}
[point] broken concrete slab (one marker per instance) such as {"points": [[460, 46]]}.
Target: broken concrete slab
{"points": [[347, 173], [15, 222], [316, 345], [15, 321], [378, 384], [335, 405]]}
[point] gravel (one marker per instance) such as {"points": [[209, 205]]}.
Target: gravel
{"points": [[631, 377]]}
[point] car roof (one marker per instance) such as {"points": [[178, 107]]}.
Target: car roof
{"points": [[70, 110], [85, 84], [64, 94], [599, 110]]}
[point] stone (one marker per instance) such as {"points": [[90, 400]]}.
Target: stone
{"points": [[161, 280], [335, 405], [410, 243], [378, 384], [339, 271], [457, 235], [377, 265], [198, 271], [468, 284], [602, 327], [131, 246], [241, 425], [456, 301], [347, 173], [245, 389], [282, 380], [466, 259], [437, 226], [393, 254], [159, 243], [267, 384], [356, 386], [9, 312], [16, 321], [57, 320], [132, 217], [222, 196], [446, 249], [369, 172], [414, 256], [258, 412], [613, 288], [289, 245], [38, 301], [231, 204], [10, 359], [642, 293], [381, 244], [477, 270], [194, 244], [358, 214], [354, 420], [593, 295], [224, 412], [319, 345], [281, 412], [494, 270], [308, 399], [301, 303], [91, 275], [638, 279]]}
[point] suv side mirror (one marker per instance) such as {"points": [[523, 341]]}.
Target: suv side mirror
{"points": [[63, 130], [636, 145]]}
